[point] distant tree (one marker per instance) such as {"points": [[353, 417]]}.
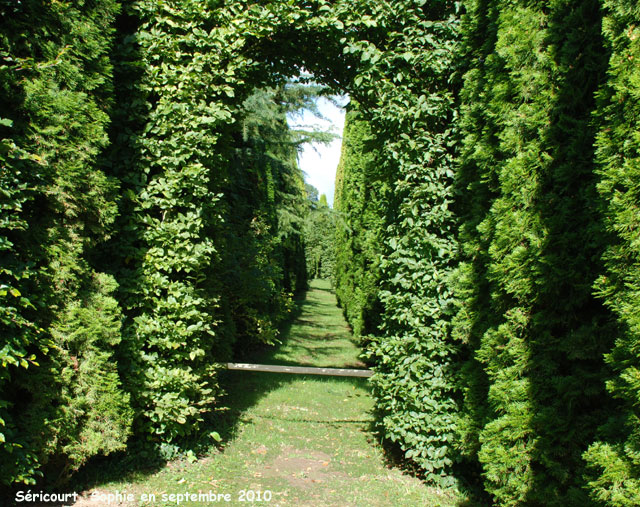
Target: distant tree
{"points": [[312, 193], [319, 235]]}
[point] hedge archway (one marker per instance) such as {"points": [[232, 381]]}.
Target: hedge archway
{"points": [[200, 62]]}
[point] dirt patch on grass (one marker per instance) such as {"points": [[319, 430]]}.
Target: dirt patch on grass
{"points": [[302, 468]]}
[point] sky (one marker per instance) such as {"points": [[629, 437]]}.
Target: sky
{"points": [[318, 161]]}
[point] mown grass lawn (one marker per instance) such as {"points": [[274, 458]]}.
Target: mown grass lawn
{"points": [[292, 440]]}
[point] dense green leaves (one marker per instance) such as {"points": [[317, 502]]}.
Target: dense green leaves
{"points": [[486, 244], [319, 238], [167, 215], [360, 202], [533, 334], [614, 475], [207, 248], [414, 371], [209, 237], [62, 399]]}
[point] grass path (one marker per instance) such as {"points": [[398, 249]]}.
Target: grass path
{"points": [[299, 440]]}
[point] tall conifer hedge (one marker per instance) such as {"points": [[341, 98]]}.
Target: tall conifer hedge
{"points": [[360, 202], [614, 461], [534, 335], [61, 396]]}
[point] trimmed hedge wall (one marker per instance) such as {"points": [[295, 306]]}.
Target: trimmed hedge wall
{"points": [[153, 221], [614, 464], [62, 398], [360, 203]]}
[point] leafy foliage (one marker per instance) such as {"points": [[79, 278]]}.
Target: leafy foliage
{"points": [[57, 206], [468, 168], [185, 136], [209, 242], [360, 203], [413, 383], [161, 154], [263, 259]]}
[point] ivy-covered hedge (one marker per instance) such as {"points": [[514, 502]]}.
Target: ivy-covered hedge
{"points": [[164, 135]]}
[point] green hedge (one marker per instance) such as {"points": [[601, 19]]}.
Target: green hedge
{"points": [[360, 203], [208, 247], [153, 219], [413, 116], [164, 136], [532, 237], [122, 170], [62, 399], [319, 239], [614, 463]]}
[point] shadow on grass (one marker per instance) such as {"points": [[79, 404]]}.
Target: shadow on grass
{"points": [[309, 323], [330, 290], [310, 352], [394, 457], [243, 391], [130, 465], [246, 389]]}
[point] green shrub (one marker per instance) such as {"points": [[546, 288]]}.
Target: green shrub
{"points": [[533, 334], [414, 357], [265, 207], [97, 417], [165, 131], [208, 252], [57, 90], [614, 461], [360, 204], [319, 238]]}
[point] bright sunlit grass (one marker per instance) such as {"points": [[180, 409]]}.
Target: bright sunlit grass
{"points": [[298, 440]]}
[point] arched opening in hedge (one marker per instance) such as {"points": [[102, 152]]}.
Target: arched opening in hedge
{"points": [[201, 63]]}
